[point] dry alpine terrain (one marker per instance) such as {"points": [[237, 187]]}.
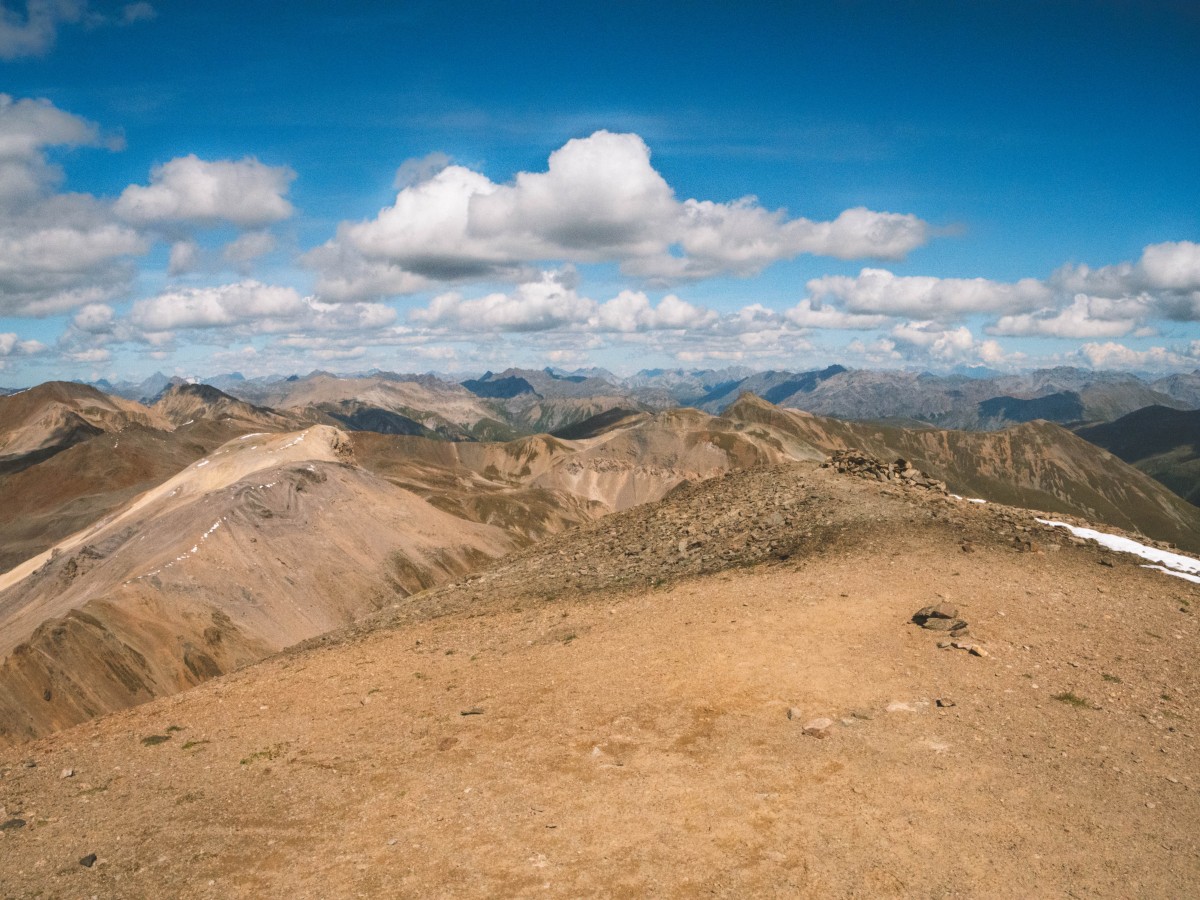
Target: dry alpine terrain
{"points": [[718, 694], [259, 652]]}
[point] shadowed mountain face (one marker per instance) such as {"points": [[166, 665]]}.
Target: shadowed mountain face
{"points": [[1164, 443], [494, 388], [1064, 406], [960, 402], [45, 420]]}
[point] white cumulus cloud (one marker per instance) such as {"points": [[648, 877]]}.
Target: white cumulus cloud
{"points": [[1086, 317], [12, 345], [813, 314], [193, 191], [880, 292], [599, 200], [251, 307], [246, 248]]}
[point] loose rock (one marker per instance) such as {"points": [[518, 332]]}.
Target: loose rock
{"points": [[88, 861], [818, 728]]}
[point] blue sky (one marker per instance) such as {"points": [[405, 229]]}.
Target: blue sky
{"points": [[206, 187]]}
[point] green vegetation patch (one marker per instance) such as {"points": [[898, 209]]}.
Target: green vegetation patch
{"points": [[1071, 699]]}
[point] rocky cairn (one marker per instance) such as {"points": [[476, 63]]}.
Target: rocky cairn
{"points": [[864, 465]]}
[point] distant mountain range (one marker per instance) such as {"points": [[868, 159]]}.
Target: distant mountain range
{"points": [[524, 399], [1145, 422]]}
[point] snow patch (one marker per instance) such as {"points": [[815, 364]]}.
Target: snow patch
{"points": [[968, 499], [1183, 575], [202, 463], [1174, 563]]}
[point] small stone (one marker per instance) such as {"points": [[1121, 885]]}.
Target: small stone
{"points": [[473, 711], [67, 773], [865, 714], [944, 624], [794, 712], [939, 611], [88, 861], [47, 695], [30, 764], [1150, 804], [945, 702], [968, 547], [976, 650], [900, 706], [1105, 561], [818, 728], [12, 824]]}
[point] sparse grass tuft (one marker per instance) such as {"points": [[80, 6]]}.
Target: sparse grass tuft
{"points": [[268, 753], [1112, 679], [190, 745], [173, 728], [155, 739], [1070, 698]]}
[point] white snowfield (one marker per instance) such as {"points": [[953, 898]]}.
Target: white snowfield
{"points": [[968, 499], [1172, 563]]}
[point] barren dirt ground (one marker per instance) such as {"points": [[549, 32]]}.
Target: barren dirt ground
{"points": [[641, 745]]}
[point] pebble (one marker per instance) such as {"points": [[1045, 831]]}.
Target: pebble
{"points": [[473, 711], [794, 712], [945, 702], [12, 824], [67, 773], [88, 861], [818, 728]]}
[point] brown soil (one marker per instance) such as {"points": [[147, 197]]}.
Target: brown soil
{"points": [[633, 740]]}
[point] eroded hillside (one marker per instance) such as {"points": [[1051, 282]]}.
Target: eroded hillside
{"points": [[722, 693]]}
